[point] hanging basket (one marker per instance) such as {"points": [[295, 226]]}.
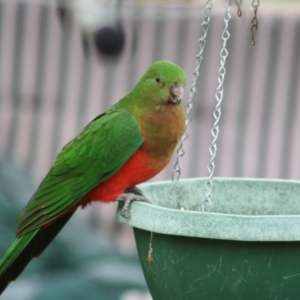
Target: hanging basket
{"points": [[246, 247]]}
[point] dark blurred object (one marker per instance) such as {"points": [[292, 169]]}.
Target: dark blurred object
{"points": [[62, 15], [76, 265], [107, 36], [109, 41]]}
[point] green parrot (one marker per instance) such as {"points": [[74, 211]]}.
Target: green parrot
{"points": [[126, 145]]}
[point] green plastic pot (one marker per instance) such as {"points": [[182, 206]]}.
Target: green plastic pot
{"points": [[247, 247]]}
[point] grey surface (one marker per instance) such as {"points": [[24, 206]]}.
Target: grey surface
{"points": [[242, 209]]}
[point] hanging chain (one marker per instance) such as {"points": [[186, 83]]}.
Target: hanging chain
{"points": [[199, 58], [254, 22], [239, 4], [217, 112]]}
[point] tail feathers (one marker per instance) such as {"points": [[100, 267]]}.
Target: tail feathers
{"points": [[16, 259], [25, 248], [3, 285]]}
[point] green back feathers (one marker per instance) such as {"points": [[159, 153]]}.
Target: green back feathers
{"points": [[91, 158]]}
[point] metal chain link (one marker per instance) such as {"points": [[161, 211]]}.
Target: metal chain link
{"points": [[217, 112], [239, 4], [254, 22], [196, 74]]}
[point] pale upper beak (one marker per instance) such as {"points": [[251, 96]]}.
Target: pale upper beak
{"points": [[176, 93]]}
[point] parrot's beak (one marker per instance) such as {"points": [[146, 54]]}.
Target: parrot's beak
{"points": [[176, 93]]}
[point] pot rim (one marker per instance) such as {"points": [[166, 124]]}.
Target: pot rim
{"points": [[218, 225]]}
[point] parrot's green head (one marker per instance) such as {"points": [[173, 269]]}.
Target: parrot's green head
{"points": [[162, 84]]}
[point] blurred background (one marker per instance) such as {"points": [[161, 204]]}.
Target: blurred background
{"points": [[64, 62]]}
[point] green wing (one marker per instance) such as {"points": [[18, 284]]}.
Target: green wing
{"points": [[89, 159]]}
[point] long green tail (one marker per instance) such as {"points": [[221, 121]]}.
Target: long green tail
{"points": [[14, 258], [15, 249], [25, 248]]}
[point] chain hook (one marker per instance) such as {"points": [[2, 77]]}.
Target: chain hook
{"points": [[254, 22], [239, 4]]}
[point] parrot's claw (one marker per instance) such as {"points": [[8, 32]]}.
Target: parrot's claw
{"points": [[134, 190], [127, 199]]}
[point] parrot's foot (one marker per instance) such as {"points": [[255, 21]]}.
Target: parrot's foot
{"points": [[132, 194], [134, 190]]}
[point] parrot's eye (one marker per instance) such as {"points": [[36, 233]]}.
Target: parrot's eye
{"points": [[157, 79]]}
